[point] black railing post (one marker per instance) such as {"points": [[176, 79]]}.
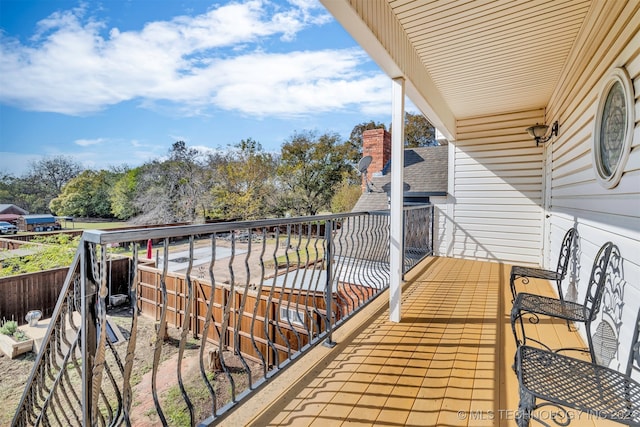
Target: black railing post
{"points": [[405, 213], [431, 226], [88, 333], [328, 289]]}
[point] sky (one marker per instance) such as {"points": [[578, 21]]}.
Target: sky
{"points": [[117, 82]]}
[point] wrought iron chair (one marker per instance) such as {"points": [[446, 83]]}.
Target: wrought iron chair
{"points": [[565, 382], [586, 312], [557, 275]]}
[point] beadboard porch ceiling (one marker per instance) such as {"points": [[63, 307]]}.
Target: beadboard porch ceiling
{"points": [[474, 58]]}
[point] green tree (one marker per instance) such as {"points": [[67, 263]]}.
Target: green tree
{"points": [[311, 167], [86, 195], [123, 194], [345, 197], [44, 181], [244, 182], [6, 188], [171, 191], [418, 131]]}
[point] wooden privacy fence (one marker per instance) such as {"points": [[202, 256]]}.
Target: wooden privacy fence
{"points": [[262, 334], [39, 291], [261, 329]]}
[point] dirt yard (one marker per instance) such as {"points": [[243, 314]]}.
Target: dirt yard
{"points": [[14, 374]]}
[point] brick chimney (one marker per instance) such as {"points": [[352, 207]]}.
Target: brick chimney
{"points": [[377, 144]]}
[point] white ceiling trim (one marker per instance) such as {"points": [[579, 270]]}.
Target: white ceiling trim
{"points": [[465, 58], [425, 96]]}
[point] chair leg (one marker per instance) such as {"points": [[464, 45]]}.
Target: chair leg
{"points": [[592, 352], [525, 407], [559, 286], [517, 316]]}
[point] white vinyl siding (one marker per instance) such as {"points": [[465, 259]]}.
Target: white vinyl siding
{"points": [[441, 224], [497, 188], [577, 198]]}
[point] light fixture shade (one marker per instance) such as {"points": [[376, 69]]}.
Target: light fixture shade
{"points": [[537, 131]]}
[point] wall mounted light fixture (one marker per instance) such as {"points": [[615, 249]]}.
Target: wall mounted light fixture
{"points": [[538, 132]]}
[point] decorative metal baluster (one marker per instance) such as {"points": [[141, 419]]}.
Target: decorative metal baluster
{"points": [[207, 322], [431, 230], [37, 391], [283, 290], [52, 398], [375, 277], [405, 219], [328, 291], [362, 273], [347, 257], [269, 310], [240, 313], [106, 405], [381, 254], [99, 275], [51, 391], [339, 258], [317, 312], [127, 398], [52, 394], [308, 324], [226, 318], [365, 275], [185, 331], [292, 292], [72, 350], [160, 332], [258, 304], [67, 420], [119, 397]]}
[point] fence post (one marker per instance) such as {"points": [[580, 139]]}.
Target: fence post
{"points": [[328, 289]]}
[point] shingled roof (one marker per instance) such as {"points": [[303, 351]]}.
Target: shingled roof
{"points": [[12, 209], [425, 174]]}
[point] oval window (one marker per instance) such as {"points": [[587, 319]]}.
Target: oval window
{"points": [[614, 128]]}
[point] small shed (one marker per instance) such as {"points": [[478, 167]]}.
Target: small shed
{"points": [[39, 222]]}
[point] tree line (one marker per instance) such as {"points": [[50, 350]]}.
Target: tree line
{"points": [[312, 173]]}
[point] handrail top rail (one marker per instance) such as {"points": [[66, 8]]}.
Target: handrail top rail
{"points": [[117, 236]]}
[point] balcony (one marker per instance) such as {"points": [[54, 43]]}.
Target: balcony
{"points": [[447, 363], [238, 303]]}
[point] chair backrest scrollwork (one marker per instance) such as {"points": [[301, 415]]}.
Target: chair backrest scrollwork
{"points": [[598, 280], [565, 252]]}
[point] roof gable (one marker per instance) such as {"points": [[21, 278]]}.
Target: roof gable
{"points": [[425, 171], [9, 208]]}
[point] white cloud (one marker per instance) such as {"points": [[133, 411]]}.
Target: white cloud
{"points": [[298, 83], [77, 66], [88, 142]]}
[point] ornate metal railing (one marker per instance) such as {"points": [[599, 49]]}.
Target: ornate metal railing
{"points": [[418, 234], [229, 304]]}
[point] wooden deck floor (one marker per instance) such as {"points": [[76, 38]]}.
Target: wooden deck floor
{"points": [[447, 363]]}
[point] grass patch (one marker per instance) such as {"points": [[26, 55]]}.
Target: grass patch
{"points": [[302, 256], [54, 251], [79, 225]]}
